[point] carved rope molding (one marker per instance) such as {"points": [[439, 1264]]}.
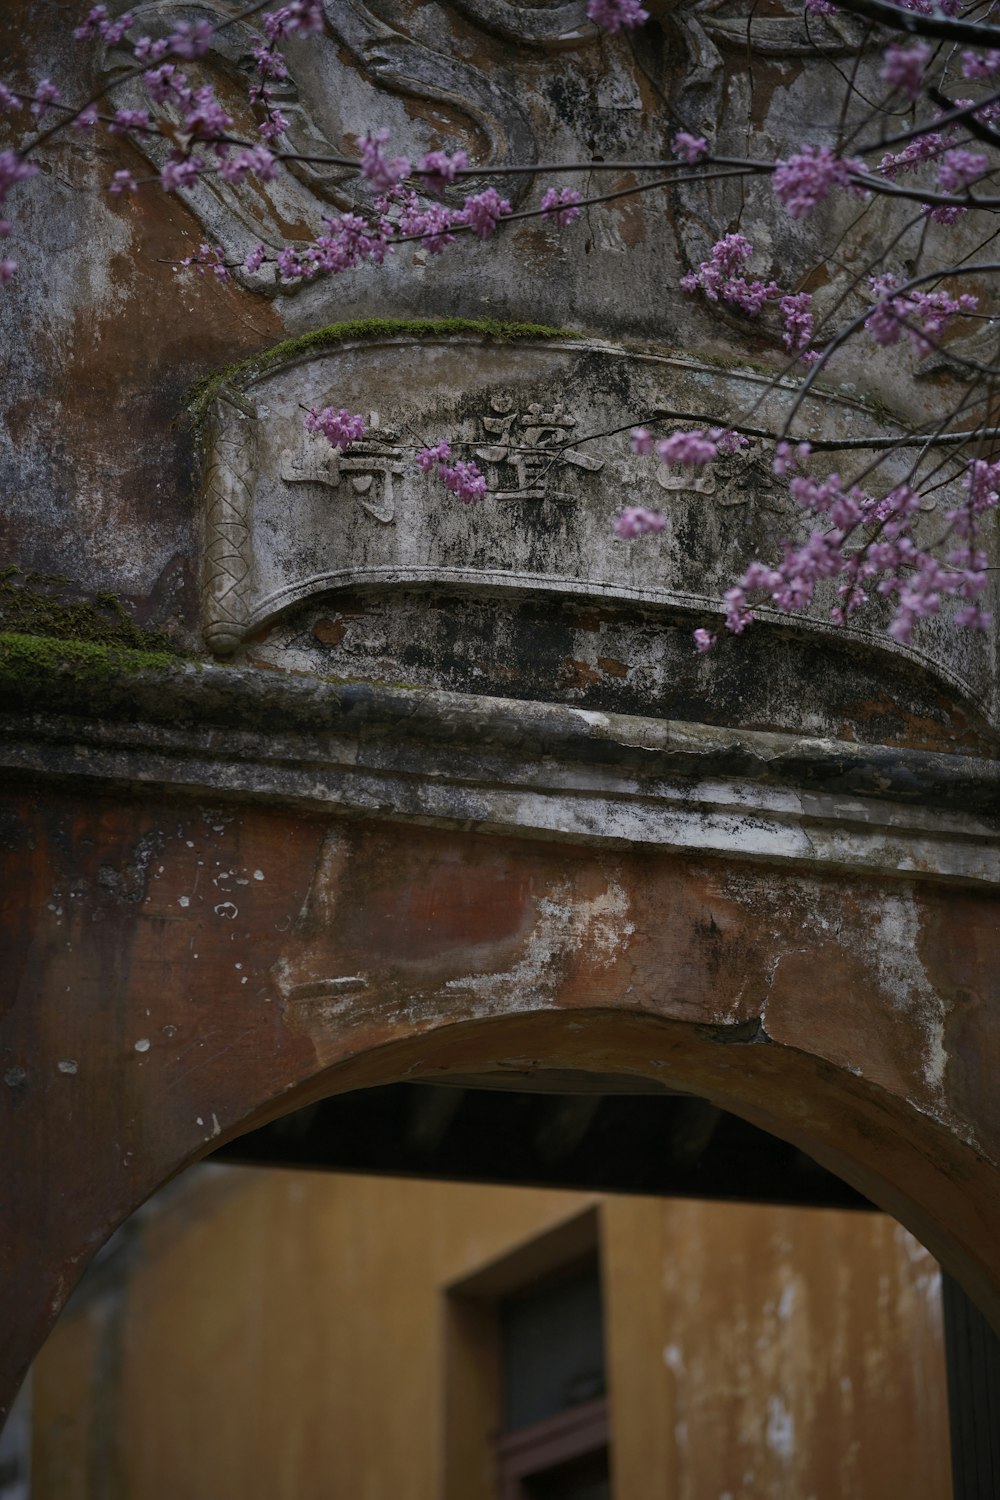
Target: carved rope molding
{"points": [[227, 496]]}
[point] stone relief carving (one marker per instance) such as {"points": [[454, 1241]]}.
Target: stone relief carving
{"points": [[328, 101], [513, 83], [289, 519], [539, 25]]}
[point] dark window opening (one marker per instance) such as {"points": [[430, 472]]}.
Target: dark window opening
{"points": [[555, 1441]]}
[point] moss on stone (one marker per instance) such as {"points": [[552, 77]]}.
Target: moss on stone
{"points": [[26, 660], [35, 604], [322, 339]]}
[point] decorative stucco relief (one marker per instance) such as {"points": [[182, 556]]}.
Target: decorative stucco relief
{"points": [[289, 518]]}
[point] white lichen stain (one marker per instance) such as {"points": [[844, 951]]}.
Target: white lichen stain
{"points": [[67, 1065], [926, 1273], [183, 900], [590, 718], [228, 910], [780, 1433], [786, 1306], [142, 1045], [673, 1358], [258, 874], [600, 926], [895, 950]]}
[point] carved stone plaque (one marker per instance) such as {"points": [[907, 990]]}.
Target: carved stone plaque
{"points": [[288, 517]]}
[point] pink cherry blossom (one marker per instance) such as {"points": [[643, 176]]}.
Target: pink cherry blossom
{"points": [[804, 180], [636, 520], [299, 18], [482, 212], [429, 458], [959, 168], [191, 39], [796, 312], [561, 205], [45, 94], [376, 168], [180, 172], [340, 428], [431, 223], [689, 148], [903, 67], [464, 480], [981, 64], [921, 315], [616, 15], [208, 258], [437, 169]]}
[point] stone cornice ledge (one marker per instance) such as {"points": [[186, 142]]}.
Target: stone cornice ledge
{"points": [[537, 769]]}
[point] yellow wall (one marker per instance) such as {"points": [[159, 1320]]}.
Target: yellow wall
{"points": [[284, 1335]]}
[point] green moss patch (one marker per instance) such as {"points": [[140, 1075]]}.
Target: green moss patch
{"points": [[27, 660], [322, 339], [34, 604]]}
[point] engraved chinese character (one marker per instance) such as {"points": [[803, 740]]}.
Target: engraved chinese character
{"points": [[532, 450], [369, 467]]}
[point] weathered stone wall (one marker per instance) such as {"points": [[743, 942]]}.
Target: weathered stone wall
{"points": [[524, 826], [106, 338]]}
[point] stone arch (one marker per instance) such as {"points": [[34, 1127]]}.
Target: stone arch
{"points": [[833, 1011]]}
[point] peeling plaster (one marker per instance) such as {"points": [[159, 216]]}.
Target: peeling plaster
{"points": [[895, 950], [565, 926]]}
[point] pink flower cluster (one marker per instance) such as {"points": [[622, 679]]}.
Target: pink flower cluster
{"points": [[723, 278], [561, 205], [960, 168], [889, 563], [923, 148], [438, 170], [803, 181], [689, 148], [99, 24], [616, 15], [691, 449], [462, 478], [384, 174], [636, 520], [347, 242], [401, 215], [981, 64], [903, 67], [298, 18], [796, 312], [340, 428], [922, 315]]}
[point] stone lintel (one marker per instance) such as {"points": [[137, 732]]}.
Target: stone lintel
{"points": [[542, 770]]}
